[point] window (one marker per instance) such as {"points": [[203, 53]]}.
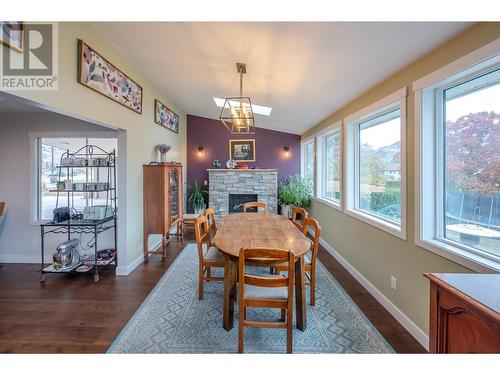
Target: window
{"points": [[458, 130], [307, 159], [375, 164], [49, 151], [329, 166]]}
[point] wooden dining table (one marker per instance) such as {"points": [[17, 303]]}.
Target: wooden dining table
{"points": [[248, 230]]}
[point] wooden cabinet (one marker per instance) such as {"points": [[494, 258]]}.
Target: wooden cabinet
{"points": [[464, 313], [163, 201]]}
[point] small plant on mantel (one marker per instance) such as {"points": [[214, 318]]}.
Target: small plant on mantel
{"points": [[195, 199], [163, 149], [294, 191]]}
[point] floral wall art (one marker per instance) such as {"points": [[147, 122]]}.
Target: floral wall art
{"points": [[98, 74], [166, 117]]}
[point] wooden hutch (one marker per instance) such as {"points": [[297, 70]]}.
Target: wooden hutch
{"points": [[163, 202]]}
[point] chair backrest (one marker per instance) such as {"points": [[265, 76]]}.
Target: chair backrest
{"points": [[310, 222], [212, 226], [247, 205], [202, 235], [299, 223], [266, 257]]}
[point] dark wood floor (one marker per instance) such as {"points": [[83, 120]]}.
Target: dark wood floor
{"points": [[72, 314]]}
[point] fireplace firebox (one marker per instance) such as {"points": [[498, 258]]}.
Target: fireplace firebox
{"points": [[236, 202]]}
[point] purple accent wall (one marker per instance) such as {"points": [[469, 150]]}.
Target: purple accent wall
{"points": [[214, 138]]}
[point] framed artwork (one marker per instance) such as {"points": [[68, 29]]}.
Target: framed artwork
{"points": [[12, 35], [242, 150], [98, 74], [165, 117]]}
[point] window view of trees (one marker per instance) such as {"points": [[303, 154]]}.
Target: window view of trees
{"points": [[332, 163], [310, 160], [380, 166], [472, 166]]}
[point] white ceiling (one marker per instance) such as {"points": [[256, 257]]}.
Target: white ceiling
{"points": [[304, 71]]}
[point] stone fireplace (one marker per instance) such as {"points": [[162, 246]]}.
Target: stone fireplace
{"points": [[230, 188]]}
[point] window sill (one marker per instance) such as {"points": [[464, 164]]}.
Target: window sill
{"points": [[475, 262], [329, 203], [395, 230]]}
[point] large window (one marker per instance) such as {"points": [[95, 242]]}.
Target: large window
{"points": [[329, 166], [48, 157], [459, 165], [379, 148], [375, 164], [307, 159]]}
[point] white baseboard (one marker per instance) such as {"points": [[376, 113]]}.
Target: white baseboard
{"points": [[406, 322], [125, 270]]}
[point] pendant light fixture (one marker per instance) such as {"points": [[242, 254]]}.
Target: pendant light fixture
{"points": [[237, 114]]}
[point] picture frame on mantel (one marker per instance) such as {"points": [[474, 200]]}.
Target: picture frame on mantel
{"points": [[165, 117], [242, 150], [99, 75]]}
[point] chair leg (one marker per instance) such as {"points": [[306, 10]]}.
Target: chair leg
{"points": [[200, 283], [272, 270], [208, 274], [312, 287], [241, 318], [289, 338], [283, 315]]}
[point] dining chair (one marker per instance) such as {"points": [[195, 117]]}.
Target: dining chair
{"points": [[248, 205], [212, 226], [208, 255], [299, 212], [265, 291], [310, 257]]}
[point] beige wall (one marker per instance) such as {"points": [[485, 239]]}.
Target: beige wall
{"points": [[141, 131], [374, 253]]}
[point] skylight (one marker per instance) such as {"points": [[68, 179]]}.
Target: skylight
{"points": [[260, 109]]}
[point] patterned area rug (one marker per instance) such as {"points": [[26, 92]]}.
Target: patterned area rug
{"points": [[173, 320]]}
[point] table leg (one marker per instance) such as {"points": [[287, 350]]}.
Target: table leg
{"points": [[229, 292], [300, 294]]}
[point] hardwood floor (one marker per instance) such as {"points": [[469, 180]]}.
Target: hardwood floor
{"points": [[72, 314]]}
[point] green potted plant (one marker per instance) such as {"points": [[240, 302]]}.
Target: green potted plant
{"points": [[295, 191], [195, 198]]}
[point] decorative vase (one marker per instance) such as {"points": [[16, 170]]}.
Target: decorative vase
{"points": [[285, 210], [164, 157], [158, 156]]}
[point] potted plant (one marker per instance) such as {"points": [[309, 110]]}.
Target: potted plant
{"points": [[295, 191], [195, 199]]}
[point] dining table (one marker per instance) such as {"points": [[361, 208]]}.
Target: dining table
{"points": [[250, 230]]}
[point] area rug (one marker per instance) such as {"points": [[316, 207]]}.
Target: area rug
{"points": [[173, 320]]}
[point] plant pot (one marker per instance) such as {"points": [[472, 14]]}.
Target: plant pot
{"points": [[199, 211], [286, 210], [164, 157]]}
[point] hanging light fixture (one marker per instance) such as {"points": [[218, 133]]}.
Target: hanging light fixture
{"points": [[237, 114]]}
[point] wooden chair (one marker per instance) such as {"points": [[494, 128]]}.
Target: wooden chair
{"points": [[212, 226], [299, 223], [2, 207], [310, 260], [266, 291], [208, 257], [248, 205]]}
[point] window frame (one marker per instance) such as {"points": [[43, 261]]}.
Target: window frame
{"points": [[303, 156], [429, 147], [320, 175], [34, 141], [396, 100]]}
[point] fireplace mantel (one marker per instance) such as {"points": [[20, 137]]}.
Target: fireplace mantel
{"points": [[262, 182]]}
